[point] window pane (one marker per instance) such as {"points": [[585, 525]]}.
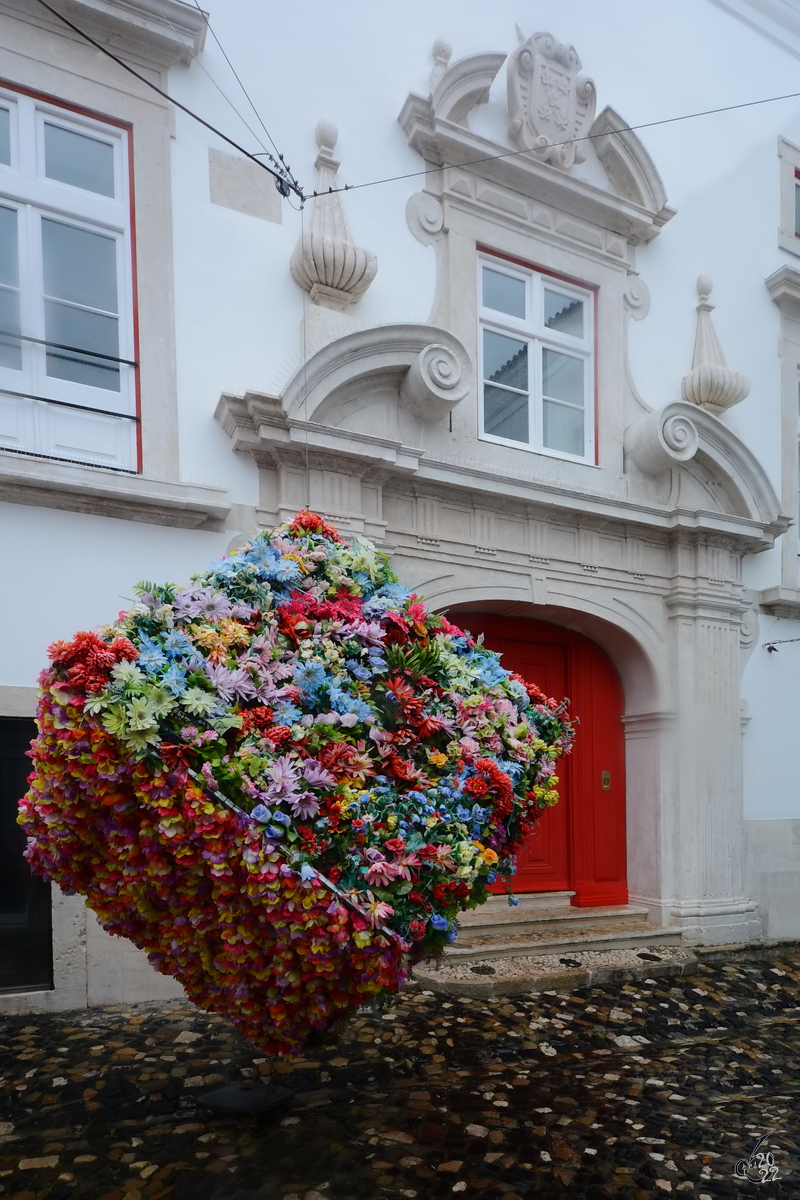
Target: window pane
{"points": [[5, 136], [562, 377], [79, 265], [505, 414], [563, 313], [505, 360], [88, 331], [563, 428], [10, 348], [9, 253], [503, 293], [82, 161]]}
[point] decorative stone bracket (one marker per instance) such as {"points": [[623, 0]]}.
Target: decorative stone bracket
{"points": [[426, 369], [662, 439]]}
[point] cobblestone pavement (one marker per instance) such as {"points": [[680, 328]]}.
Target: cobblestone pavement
{"points": [[644, 1089]]}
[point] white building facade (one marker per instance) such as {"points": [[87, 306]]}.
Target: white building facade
{"points": [[495, 356]]}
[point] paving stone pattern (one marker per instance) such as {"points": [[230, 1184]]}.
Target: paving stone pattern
{"points": [[647, 1088]]}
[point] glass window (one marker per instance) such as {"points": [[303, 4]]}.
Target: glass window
{"points": [[5, 136], [10, 347], [563, 313], [80, 285], [505, 407], [503, 293], [537, 373], [74, 158], [67, 375]]}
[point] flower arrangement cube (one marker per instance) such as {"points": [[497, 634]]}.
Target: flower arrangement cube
{"points": [[285, 780]]}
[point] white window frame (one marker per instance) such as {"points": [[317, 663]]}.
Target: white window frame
{"points": [[44, 415], [788, 233], [532, 330]]}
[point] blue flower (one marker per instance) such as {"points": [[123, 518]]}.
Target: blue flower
{"points": [[462, 813], [307, 873], [273, 833], [439, 922], [310, 677], [451, 935], [282, 818], [287, 713], [176, 643], [175, 679], [261, 814], [151, 656]]}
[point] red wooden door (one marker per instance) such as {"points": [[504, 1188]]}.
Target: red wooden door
{"points": [[580, 843]]}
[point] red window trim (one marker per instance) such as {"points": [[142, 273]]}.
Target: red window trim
{"points": [[587, 287], [127, 126]]}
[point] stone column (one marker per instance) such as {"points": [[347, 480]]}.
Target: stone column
{"points": [[703, 850]]}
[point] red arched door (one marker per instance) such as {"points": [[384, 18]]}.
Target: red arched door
{"points": [[580, 843]]}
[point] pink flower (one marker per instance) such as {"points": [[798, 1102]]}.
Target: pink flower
{"points": [[376, 911], [381, 873]]}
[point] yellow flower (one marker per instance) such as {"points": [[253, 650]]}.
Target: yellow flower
{"points": [[437, 758], [489, 856]]}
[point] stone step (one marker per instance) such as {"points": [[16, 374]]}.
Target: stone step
{"points": [[504, 923], [547, 971], [549, 937]]}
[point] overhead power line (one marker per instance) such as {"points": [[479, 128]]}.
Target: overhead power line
{"points": [[286, 181], [196, 59], [284, 184], [588, 137], [238, 79]]}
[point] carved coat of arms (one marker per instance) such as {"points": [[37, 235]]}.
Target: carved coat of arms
{"points": [[550, 104]]}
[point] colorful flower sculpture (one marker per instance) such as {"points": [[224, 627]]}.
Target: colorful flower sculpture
{"points": [[285, 780]]}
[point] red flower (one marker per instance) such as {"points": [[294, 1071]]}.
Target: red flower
{"points": [[257, 719], [309, 522], [417, 930], [395, 845]]}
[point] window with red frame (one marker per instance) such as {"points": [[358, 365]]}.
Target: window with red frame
{"points": [[537, 360], [68, 387]]}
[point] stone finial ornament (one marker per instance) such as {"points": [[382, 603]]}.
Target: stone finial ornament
{"points": [[711, 384], [442, 53], [326, 261], [550, 104]]}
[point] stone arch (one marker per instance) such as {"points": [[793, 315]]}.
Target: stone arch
{"points": [[632, 646]]}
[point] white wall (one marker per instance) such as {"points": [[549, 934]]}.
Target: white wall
{"points": [[64, 571]]}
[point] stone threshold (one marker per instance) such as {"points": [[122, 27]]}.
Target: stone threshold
{"points": [[516, 975]]}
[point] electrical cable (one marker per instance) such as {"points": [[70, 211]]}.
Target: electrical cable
{"points": [[281, 180], [588, 137], [196, 59], [237, 77]]}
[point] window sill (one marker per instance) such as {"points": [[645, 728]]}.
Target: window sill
{"points": [[48, 483], [781, 602]]}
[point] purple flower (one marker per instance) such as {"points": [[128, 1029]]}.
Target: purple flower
{"points": [[304, 805], [231, 683], [283, 773], [317, 775]]}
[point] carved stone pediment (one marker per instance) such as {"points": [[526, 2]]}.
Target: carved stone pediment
{"points": [[550, 104]]}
